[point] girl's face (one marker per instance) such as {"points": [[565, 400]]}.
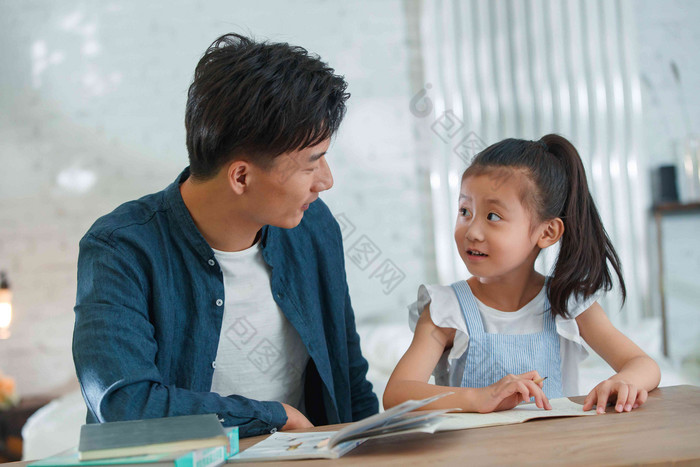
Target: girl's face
{"points": [[494, 232]]}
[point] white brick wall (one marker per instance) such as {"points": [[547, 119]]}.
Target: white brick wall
{"points": [[100, 86]]}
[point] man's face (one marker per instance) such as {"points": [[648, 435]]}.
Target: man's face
{"points": [[281, 194]]}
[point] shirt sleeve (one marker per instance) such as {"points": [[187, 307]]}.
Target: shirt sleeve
{"points": [[363, 399], [445, 312], [568, 328], [114, 351]]}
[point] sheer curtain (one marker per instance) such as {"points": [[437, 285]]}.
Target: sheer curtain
{"points": [[518, 68]]}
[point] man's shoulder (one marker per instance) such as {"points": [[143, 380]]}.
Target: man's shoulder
{"points": [[319, 212], [319, 220], [132, 215], [318, 227]]}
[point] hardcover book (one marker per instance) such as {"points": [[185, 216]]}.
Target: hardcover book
{"points": [[150, 436], [205, 457]]}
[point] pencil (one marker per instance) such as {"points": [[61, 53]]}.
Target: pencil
{"points": [[539, 380]]}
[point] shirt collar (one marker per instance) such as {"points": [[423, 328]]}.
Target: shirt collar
{"points": [[184, 220]]}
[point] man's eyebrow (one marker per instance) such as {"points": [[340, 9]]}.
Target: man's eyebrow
{"points": [[315, 157], [463, 196]]}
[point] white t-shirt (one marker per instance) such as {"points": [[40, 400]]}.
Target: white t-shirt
{"points": [[260, 355], [445, 312]]}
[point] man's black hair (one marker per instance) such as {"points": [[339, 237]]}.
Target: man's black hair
{"points": [[259, 99]]}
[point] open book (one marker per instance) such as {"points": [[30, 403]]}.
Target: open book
{"points": [[561, 407], [333, 444], [399, 420]]}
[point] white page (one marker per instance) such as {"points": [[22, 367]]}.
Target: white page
{"points": [[384, 418], [333, 444], [288, 446], [406, 421], [561, 407]]}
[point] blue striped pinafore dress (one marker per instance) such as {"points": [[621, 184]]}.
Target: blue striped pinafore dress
{"points": [[490, 357]]}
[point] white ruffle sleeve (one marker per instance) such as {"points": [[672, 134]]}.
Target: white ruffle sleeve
{"points": [[445, 312], [568, 328]]}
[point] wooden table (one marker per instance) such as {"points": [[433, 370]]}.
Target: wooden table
{"points": [[665, 430]]}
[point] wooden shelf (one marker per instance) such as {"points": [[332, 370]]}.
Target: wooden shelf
{"points": [[11, 422], [675, 207], [659, 211]]}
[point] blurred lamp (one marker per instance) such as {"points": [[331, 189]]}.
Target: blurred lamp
{"points": [[5, 306]]}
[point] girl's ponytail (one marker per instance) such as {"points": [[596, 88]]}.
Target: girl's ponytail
{"points": [[581, 268]]}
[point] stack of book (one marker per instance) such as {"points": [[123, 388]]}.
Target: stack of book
{"points": [[186, 441]]}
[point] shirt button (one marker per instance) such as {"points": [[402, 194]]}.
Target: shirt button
{"points": [[273, 431], [213, 364], [211, 262], [219, 302]]}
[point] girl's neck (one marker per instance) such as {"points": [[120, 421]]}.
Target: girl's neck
{"points": [[507, 294]]}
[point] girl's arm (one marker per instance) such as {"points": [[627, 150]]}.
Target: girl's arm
{"points": [[636, 374], [410, 377]]}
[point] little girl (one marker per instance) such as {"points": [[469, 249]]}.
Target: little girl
{"points": [[508, 334]]}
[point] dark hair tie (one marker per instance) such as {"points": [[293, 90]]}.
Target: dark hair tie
{"points": [[544, 145]]}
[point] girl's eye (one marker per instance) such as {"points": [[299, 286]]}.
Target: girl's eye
{"points": [[493, 217], [464, 212]]}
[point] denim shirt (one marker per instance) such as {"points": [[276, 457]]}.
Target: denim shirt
{"points": [[149, 309]]}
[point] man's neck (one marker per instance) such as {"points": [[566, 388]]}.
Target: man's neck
{"points": [[215, 214]]}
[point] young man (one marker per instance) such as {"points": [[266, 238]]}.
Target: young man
{"points": [[226, 292]]}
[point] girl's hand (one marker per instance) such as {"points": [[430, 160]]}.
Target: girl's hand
{"points": [[629, 396], [636, 372], [511, 391]]}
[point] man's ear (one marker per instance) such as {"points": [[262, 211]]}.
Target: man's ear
{"points": [[551, 234], [238, 175]]}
